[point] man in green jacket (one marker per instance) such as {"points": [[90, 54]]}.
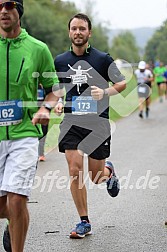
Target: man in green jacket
{"points": [[24, 63], [159, 71]]}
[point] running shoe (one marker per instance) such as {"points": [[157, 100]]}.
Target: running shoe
{"points": [[160, 99], [147, 112], [6, 239], [141, 114], [41, 158], [113, 185], [81, 230]]}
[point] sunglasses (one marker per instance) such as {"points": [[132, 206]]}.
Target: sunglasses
{"points": [[8, 5]]}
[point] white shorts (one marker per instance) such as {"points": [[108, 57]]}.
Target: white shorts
{"points": [[18, 163]]}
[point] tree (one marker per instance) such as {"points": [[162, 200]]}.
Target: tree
{"points": [[99, 38], [162, 51], [47, 21], [124, 47], [156, 47]]}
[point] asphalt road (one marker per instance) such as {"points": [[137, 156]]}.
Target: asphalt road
{"points": [[134, 221]]}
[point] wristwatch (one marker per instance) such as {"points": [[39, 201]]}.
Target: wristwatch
{"points": [[47, 106], [105, 92]]}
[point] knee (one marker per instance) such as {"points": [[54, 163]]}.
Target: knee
{"points": [[75, 171], [3, 207], [17, 203]]}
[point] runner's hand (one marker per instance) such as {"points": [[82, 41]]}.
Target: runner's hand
{"points": [[42, 116], [59, 108], [97, 93]]}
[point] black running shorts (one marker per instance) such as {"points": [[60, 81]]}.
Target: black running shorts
{"points": [[93, 138]]}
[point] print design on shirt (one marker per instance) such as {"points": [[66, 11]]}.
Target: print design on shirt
{"points": [[80, 77]]}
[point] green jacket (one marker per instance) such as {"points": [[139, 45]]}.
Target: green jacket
{"points": [[20, 58], [159, 74]]}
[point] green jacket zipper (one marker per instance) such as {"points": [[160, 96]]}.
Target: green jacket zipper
{"points": [[21, 67], [7, 84]]}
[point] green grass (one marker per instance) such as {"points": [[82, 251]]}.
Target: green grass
{"points": [[121, 105]]}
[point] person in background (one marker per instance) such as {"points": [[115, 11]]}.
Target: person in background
{"points": [[21, 57], [144, 79], [85, 127], [159, 71], [165, 75], [150, 82], [42, 140]]}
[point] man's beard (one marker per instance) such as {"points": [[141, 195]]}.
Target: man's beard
{"points": [[81, 42], [9, 26]]}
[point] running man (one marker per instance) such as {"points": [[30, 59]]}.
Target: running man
{"points": [[85, 127], [144, 79]]}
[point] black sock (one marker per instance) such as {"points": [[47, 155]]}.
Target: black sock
{"points": [[84, 218]]}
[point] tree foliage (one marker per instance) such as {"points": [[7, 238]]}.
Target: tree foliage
{"points": [[124, 47], [99, 38], [47, 20], [156, 48]]}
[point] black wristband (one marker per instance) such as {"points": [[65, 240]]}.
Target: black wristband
{"points": [[47, 106]]}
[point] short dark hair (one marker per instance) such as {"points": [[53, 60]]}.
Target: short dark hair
{"points": [[83, 17]]}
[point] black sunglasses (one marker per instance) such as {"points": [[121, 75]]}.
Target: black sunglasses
{"points": [[8, 5]]}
